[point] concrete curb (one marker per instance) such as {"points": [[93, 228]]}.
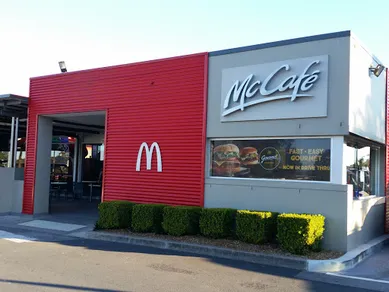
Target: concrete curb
{"points": [[205, 250], [347, 261], [350, 259]]}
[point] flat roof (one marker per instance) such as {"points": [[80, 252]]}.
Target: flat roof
{"points": [[299, 40], [286, 42], [12, 105]]}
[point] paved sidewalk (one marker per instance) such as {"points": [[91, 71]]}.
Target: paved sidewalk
{"points": [[59, 224], [374, 269], [81, 226], [72, 264]]}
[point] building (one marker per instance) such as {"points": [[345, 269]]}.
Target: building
{"points": [[290, 126]]}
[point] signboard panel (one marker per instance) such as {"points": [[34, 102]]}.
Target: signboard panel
{"points": [[293, 159], [279, 90]]}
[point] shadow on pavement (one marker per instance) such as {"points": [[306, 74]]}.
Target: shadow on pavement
{"points": [[306, 284], [57, 286], [298, 283]]}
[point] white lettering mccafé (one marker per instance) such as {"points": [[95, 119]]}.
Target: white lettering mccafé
{"points": [[295, 85]]}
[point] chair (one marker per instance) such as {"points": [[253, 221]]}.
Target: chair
{"points": [[78, 190], [54, 190], [98, 185]]}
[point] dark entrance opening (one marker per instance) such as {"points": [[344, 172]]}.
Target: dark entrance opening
{"points": [[77, 161]]}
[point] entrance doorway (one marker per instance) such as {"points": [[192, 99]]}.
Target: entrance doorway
{"points": [[72, 181]]}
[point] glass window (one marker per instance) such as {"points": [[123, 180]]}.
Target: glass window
{"points": [[361, 165], [62, 158], [94, 151], [293, 159], [20, 154]]}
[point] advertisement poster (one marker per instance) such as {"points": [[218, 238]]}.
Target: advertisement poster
{"points": [[292, 159]]}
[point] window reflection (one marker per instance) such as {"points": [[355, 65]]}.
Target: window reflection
{"points": [[93, 160], [359, 169], [62, 159]]}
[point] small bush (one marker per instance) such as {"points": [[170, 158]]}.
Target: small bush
{"points": [[147, 218], [114, 215], [298, 233], [181, 220], [255, 226], [217, 223]]}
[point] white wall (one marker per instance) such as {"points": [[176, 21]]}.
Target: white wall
{"points": [[365, 220], [367, 95]]}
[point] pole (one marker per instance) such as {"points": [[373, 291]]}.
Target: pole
{"points": [[75, 160], [16, 141], [11, 146]]}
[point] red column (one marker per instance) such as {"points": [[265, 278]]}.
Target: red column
{"points": [[387, 156]]}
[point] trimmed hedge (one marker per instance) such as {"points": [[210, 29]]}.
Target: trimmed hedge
{"points": [[295, 233], [114, 215], [217, 222], [181, 220], [147, 218], [255, 226], [298, 233]]}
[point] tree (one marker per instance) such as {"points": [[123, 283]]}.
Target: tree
{"points": [[3, 155]]}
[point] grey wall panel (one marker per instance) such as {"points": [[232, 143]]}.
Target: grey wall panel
{"points": [[6, 189], [11, 191], [366, 221], [17, 197], [316, 198], [42, 177], [334, 123]]}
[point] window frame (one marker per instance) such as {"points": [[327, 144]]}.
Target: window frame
{"points": [[377, 167]]}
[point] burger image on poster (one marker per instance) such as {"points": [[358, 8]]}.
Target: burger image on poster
{"points": [[226, 160], [269, 158], [249, 156]]}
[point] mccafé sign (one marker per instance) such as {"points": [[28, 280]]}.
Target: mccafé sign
{"points": [[287, 89]]}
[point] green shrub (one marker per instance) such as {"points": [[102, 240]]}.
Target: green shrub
{"points": [[217, 222], [181, 220], [147, 218], [255, 226], [298, 233], [114, 215]]}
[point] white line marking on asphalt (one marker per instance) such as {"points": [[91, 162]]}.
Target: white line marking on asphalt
{"points": [[52, 225], [15, 237], [358, 278]]}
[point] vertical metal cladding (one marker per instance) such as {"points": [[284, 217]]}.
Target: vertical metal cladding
{"points": [[162, 101], [387, 156]]}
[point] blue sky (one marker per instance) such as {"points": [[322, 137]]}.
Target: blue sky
{"points": [[35, 35]]}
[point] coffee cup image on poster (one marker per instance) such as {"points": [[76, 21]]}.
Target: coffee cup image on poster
{"points": [[292, 159]]}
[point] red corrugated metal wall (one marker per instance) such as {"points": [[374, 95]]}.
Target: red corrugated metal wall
{"points": [[387, 155], [161, 101]]}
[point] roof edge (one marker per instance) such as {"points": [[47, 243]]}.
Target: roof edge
{"points": [[13, 96], [320, 37], [367, 49], [204, 54]]}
